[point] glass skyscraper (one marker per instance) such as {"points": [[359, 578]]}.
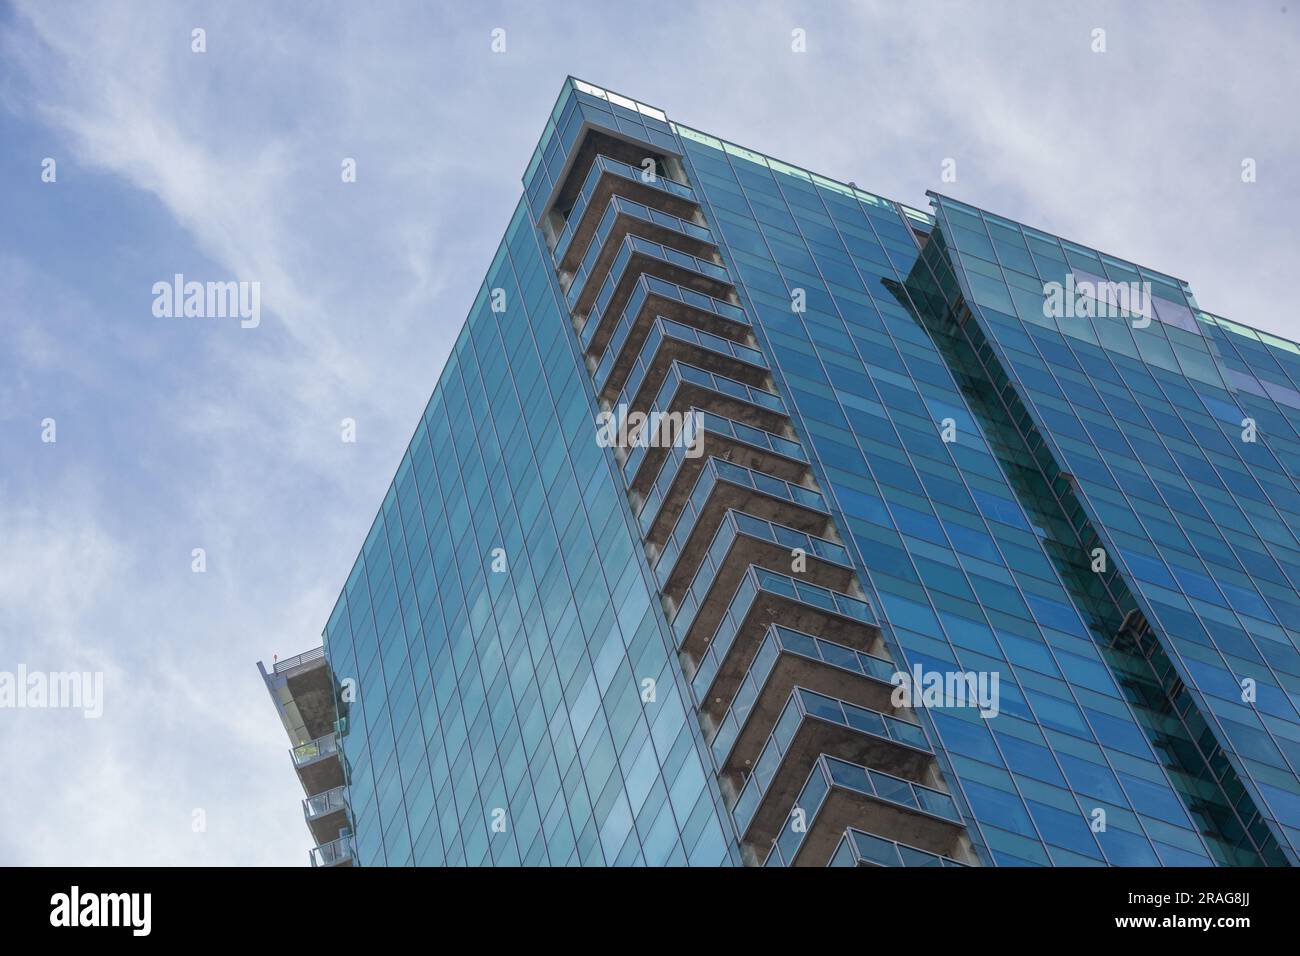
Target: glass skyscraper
{"points": [[945, 541]]}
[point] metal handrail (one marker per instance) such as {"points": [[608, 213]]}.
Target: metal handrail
{"points": [[306, 657], [328, 854], [322, 804]]}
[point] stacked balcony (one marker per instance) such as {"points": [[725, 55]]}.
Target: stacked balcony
{"points": [[652, 473], [730, 512], [866, 849], [327, 814], [304, 693], [319, 764], [839, 795], [788, 667], [335, 853], [646, 343]]}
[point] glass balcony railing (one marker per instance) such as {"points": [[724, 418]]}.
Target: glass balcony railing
{"points": [[605, 165], [806, 704], [680, 375], [647, 286], [714, 472], [667, 474], [858, 848], [635, 245], [829, 773], [728, 729], [760, 580], [323, 804], [736, 523], [653, 504], [717, 425], [785, 640], [314, 750], [619, 206], [683, 374], [334, 853], [660, 330]]}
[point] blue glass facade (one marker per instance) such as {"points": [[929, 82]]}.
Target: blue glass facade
{"points": [[1177, 431], [516, 690], [555, 652]]}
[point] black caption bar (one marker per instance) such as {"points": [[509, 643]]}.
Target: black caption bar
{"points": [[315, 907]]}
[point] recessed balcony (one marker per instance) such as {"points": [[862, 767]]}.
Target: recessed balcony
{"points": [[653, 298], [836, 795], [687, 521], [633, 369], [785, 659], [335, 853], [777, 738], [712, 570], [685, 386], [319, 764], [755, 413], [327, 814], [764, 597], [662, 295], [606, 178], [651, 469], [607, 289], [602, 302], [857, 848], [586, 123], [623, 217]]}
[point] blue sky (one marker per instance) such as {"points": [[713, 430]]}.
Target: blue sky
{"points": [[175, 434]]}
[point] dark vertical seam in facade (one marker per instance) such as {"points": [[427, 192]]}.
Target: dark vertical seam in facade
{"points": [[1100, 531], [1091, 526], [1078, 533]]}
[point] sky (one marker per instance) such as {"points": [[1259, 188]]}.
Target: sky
{"points": [[175, 433]]}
